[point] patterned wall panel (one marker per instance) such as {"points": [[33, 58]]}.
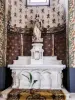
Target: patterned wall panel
{"points": [[50, 17], [2, 34], [13, 47], [60, 46], [27, 45], [47, 42], [24, 16]]}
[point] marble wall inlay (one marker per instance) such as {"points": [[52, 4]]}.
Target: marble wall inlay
{"points": [[2, 42], [71, 32]]}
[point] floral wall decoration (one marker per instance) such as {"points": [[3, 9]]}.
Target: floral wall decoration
{"points": [[2, 54], [71, 33], [49, 16]]}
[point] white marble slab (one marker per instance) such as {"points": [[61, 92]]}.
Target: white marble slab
{"points": [[47, 76]]}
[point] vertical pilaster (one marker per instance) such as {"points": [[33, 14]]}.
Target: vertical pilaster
{"points": [[71, 47], [21, 44], [2, 33], [71, 32]]}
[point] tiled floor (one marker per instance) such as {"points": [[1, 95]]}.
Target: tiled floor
{"points": [[69, 96], [72, 96]]}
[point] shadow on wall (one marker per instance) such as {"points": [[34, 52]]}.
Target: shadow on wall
{"points": [[65, 80], [69, 79], [8, 80], [5, 78]]}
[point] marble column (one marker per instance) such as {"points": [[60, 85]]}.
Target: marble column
{"points": [[71, 33], [70, 84], [2, 33]]}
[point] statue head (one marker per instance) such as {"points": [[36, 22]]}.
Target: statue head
{"points": [[38, 23]]}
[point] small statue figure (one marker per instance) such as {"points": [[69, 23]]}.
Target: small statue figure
{"points": [[37, 32]]}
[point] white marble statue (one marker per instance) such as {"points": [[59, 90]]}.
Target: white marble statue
{"points": [[37, 32]]}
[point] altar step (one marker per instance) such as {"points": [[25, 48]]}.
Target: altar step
{"points": [[7, 91], [45, 57], [26, 60]]}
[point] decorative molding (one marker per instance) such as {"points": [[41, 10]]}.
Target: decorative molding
{"points": [[55, 30], [19, 30]]}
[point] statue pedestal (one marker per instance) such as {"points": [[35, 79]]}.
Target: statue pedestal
{"points": [[37, 53]]}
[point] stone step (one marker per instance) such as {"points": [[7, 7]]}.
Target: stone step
{"points": [[5, 93], [27, 62], [58, 62], [21, 62], [24, 57], [45, 58]]}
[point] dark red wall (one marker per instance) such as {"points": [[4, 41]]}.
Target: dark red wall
{"points": [[60, 46], [14, 46], [47, 42], [27, 45]]}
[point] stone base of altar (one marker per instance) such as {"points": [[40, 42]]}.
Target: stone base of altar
{"points": [[47, 76]]}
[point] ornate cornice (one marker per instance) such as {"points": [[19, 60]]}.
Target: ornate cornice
{"points": [[29, 31], [54, 30], [57, 29], [19, 30]]}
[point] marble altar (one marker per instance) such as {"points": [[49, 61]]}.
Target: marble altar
{"points": [[37, 71], [47, 70]]}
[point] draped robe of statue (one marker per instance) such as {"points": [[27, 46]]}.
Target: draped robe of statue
{"points": [[37, 33]]}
